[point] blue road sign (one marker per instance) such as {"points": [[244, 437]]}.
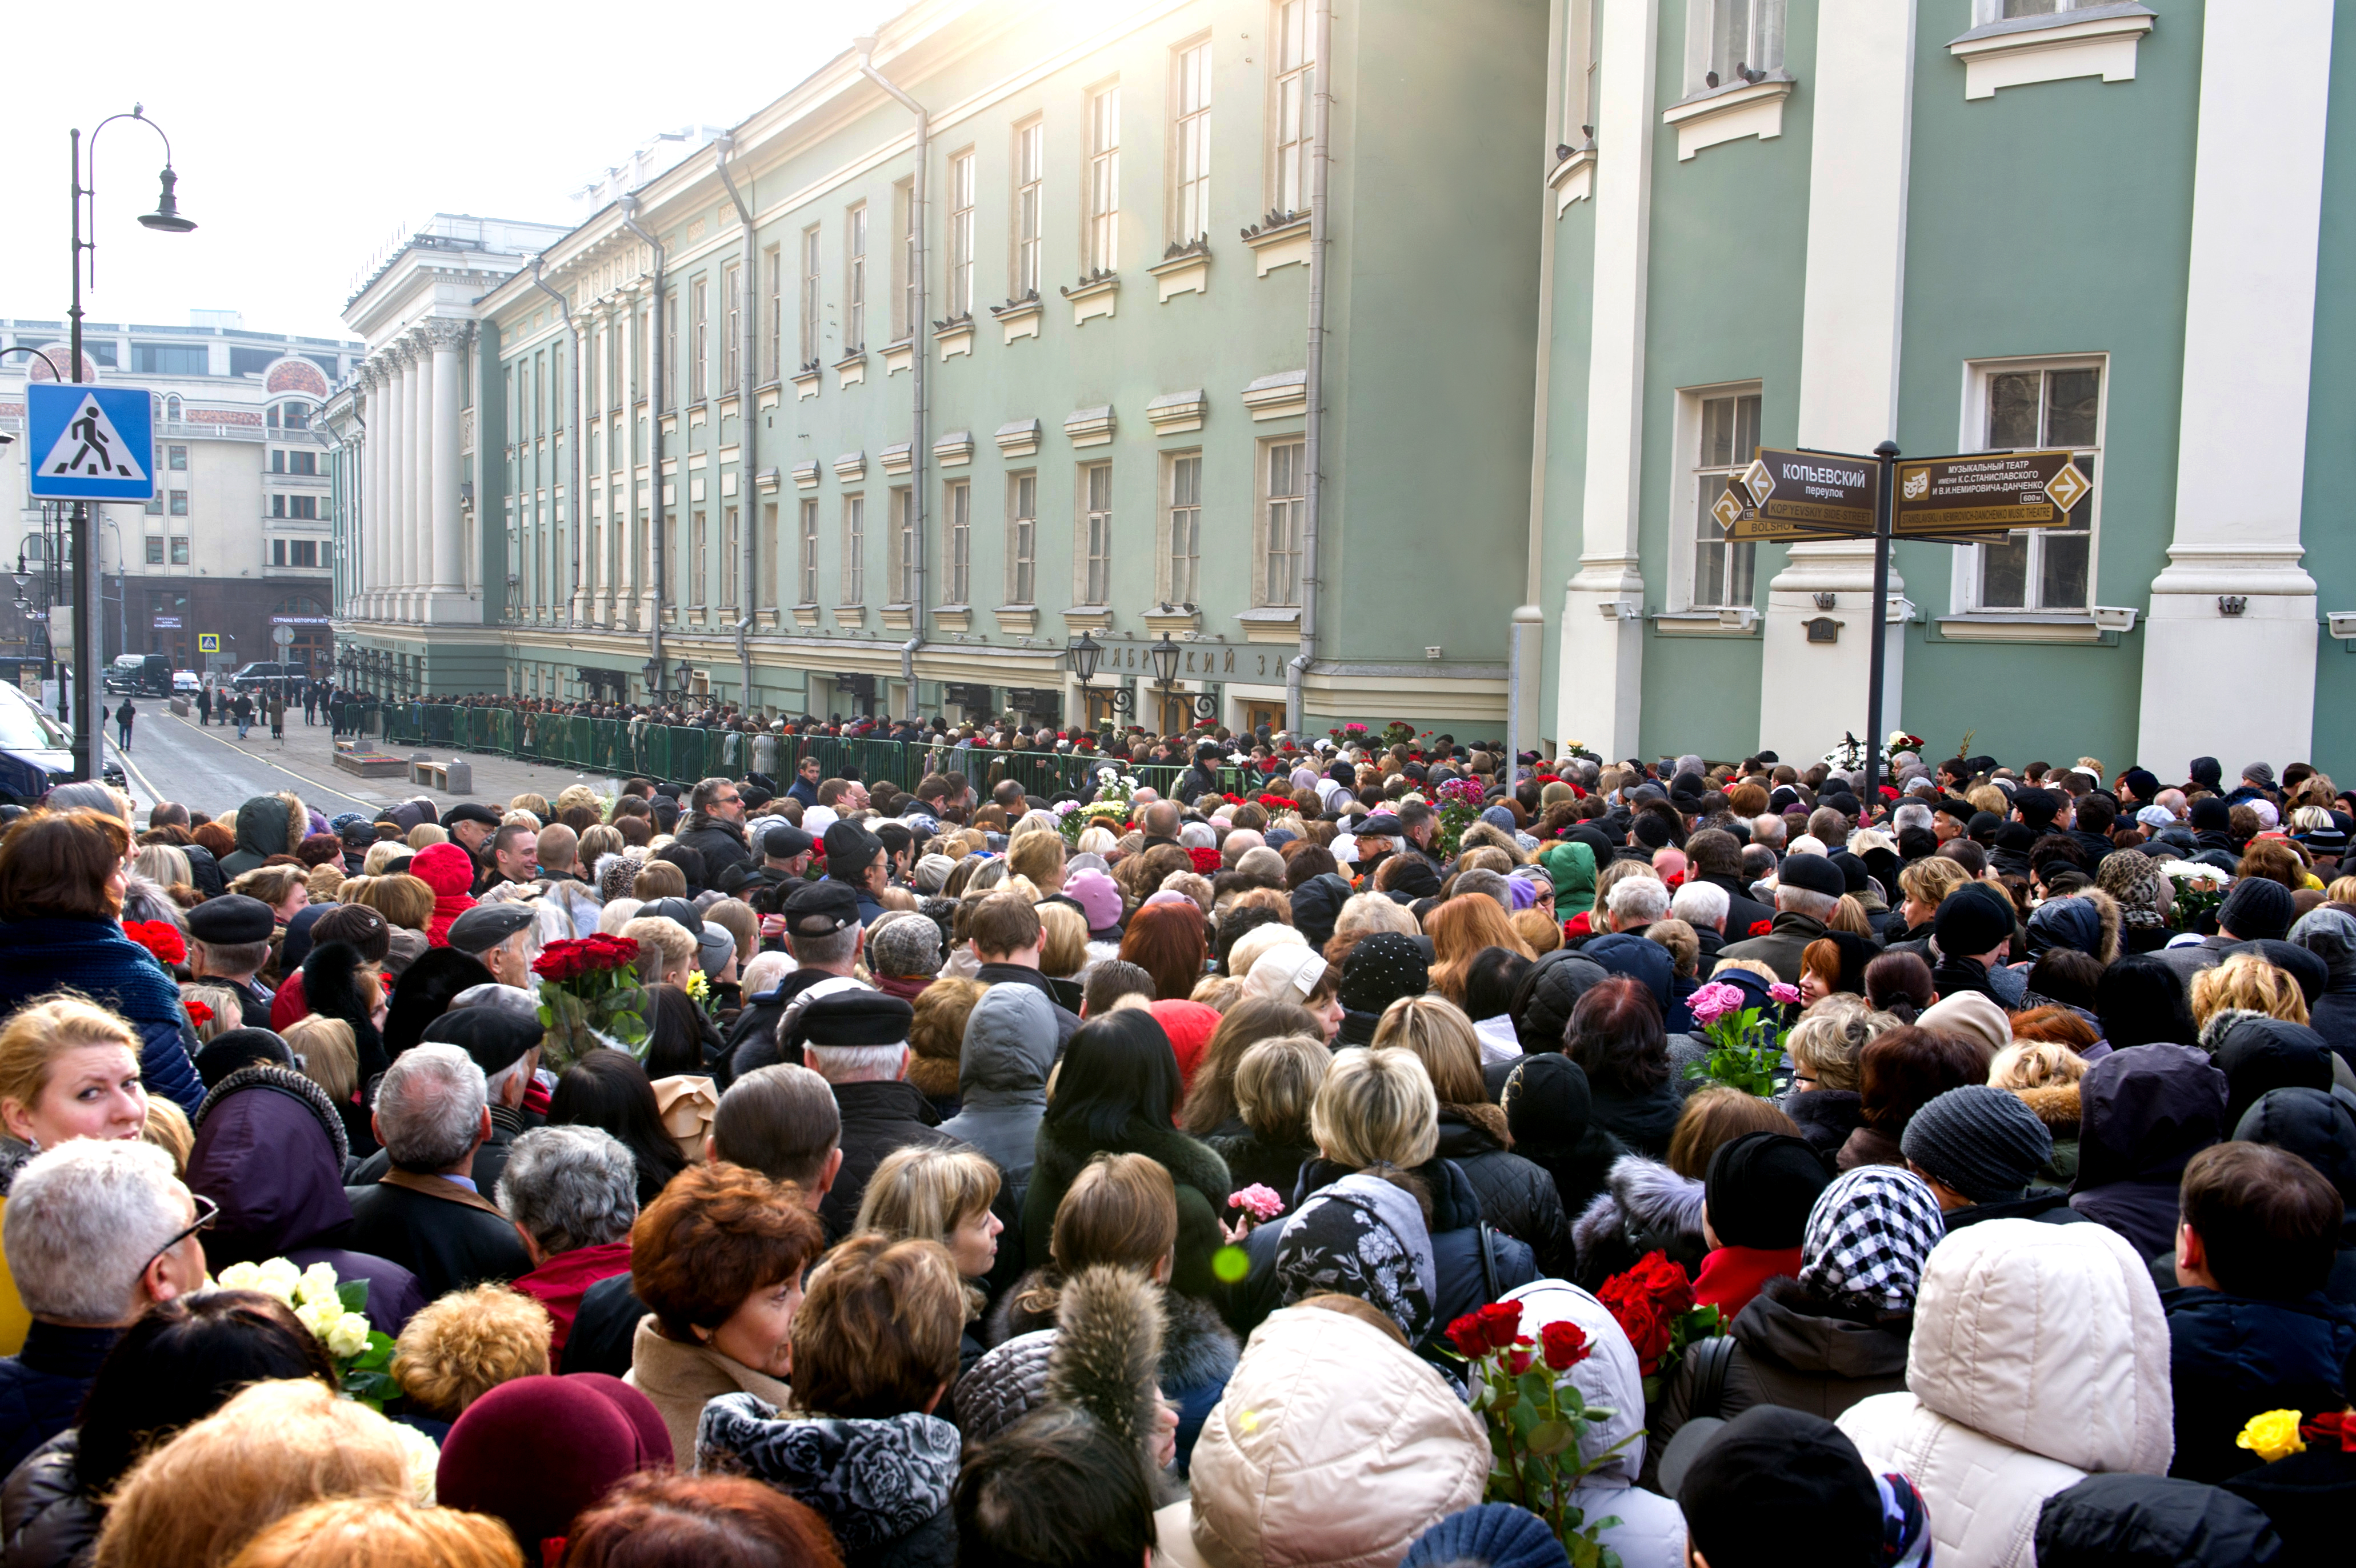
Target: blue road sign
{"points": [[88, 443]]}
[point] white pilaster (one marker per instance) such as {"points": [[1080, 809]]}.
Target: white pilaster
{"points": [[1811, 693], [2249, 330], [627, 545], [396, 481], [362, 543], [443, 339], [420, 531], [1600, 681]]}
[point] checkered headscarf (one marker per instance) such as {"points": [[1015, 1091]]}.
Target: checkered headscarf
{"points": [[1868, 1237]]}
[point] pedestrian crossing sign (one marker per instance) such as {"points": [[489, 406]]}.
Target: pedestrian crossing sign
{"points": [[87, 443], [208, 642]]}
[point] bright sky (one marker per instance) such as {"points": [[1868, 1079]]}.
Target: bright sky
{"points": [[306, 136]]}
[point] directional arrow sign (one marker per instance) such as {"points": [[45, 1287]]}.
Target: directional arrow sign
{"points": [[95, 444], [1744, 523], [1987, 494], [1813, 491]]}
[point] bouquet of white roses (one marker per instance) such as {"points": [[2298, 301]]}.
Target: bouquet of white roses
{"points": [[1109, 809], [335, 1312]]}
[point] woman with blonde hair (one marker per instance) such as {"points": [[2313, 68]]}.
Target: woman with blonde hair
{"points": [[927, 1194], [372, 1533], [1516, 1197], [1460, 929], [273, 1448], [1824, 1048], [666, 949], [382, 855], [1276, 1082], [221, 1006], [2044, 1075], [2247, 983]]}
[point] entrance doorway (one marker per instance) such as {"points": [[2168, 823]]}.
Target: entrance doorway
{"points": [[1269, 713]]}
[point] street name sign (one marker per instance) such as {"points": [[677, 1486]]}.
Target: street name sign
{"points": [[90, 444], [1985, 495], [1789, 495]]}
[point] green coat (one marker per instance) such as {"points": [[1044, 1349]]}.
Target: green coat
{"points": [[1572, 867]]}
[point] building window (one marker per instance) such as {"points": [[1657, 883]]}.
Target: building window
{"points": [[764, 563], [1191, 160], [728, 558], [809, 328], [1287, 504], [1986, 11], [1022, 541], [699, 383], [294, 552], [179, 549], [960, 236], [2025, 407], [904, 263], [302, 462], [1728, 37], [809, 552], [1101, 242], [957, 510], [1095, 534], [180, 504], [303, 507], [170, 359], [176, 458], [1583, 64], [854, 318], [732, 295], [1029, 179], [1185, 527], [1296, 84], [904, 546], [172, 408], [277, 462], [154, 550], [854, 551], [1726, 438], [155, 506], [669, 354], [701, 533], [772, 322]]}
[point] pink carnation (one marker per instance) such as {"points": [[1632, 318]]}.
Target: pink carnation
{"points": [[1786, 994], [1714, 1001], [1257, 1200]]}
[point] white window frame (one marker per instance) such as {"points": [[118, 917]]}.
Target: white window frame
{"points": [[1986, 11], [1685, 497], [1022, 538], [854, 280], [1295, 505], [903, 545], [1963, 582], [729, 522], [808, 550], [1100, 199], [1029, 199], [956, 522], [1189, 141], [1093, 513], [903, 262], [700, 528], [810, 326], [1759, 45], [732, 316], [1181, 528], [1583, 67], [1292, 87], [774, 259], [854, 551], [960, 278]]}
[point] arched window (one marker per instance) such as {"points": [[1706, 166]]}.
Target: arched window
{"points": [[172, 408]]}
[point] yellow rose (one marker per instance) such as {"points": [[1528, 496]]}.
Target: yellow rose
{"points": [[319, 1316], [346, 1336], [2272, 1437], [317, 1284], [278, 1277], [239, 1276]]}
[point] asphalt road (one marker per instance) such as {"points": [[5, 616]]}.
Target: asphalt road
{"points": [[210, 769]]}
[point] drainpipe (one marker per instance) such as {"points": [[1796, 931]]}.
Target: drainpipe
{"points": [[654, 356], [920, 450], [1314, 424], [748, 378], [576, 500]]}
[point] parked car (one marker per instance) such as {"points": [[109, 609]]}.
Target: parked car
{"points": [[186, 684], [35, 753], [144, 674], [258, 674]]}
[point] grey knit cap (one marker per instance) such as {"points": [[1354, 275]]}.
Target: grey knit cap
{"points": [[1984, 1143]]}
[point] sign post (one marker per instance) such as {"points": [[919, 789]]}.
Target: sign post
{"points": [[89, 443], [1878, 656]]}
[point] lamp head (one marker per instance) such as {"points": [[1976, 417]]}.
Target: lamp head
{"points": [[166, 216]]}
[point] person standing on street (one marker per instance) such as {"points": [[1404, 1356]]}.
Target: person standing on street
{"points": [[277, 707], [243, 710], [122, 717], [204, 705]]}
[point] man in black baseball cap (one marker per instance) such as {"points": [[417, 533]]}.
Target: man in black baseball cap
{"points": [[229, 941], [854, 858], [824, 934], [1807, 887]]}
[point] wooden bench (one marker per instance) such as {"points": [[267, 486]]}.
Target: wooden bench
{"points": [[452, 777]]}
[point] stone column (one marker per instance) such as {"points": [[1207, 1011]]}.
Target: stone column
{"points": [[420, 475], [395, 481], [577, 477], [2235, 599], [1811, 693], [444, 340], [1600, 688], [621, 594]]}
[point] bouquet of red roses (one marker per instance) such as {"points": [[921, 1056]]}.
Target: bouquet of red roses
{"points": [[590, 997], [1523, 1391], [160, 938], [1654, 1303]]}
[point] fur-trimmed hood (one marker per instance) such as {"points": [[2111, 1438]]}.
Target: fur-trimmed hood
{"points": [[1197, 1348], [279, 1187], [1643, 1197], [287, 1081], [1107, 1358], [2056, 1105], [267, 825]]}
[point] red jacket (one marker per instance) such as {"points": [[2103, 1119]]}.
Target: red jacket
{"points": [[559, 1283], [450, 872]]}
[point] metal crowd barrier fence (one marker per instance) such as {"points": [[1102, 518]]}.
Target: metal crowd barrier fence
{"points": [[624, 748]]}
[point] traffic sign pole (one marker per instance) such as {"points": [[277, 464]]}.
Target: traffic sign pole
{"points": [[1877, 657]]}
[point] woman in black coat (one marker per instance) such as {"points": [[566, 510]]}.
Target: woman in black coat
{"points": [[1615, 1035]]}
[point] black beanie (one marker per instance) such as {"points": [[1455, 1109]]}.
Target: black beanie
{"points": [[2209, 814], [1760, 1187], [1971, 920], [2257, 911], [1547, 1104]]}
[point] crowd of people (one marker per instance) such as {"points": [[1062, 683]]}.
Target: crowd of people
{"points": [[818, 1173]]}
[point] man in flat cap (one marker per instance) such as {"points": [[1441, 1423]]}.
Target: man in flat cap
{"points": [[506, 936], [1806, 889], [858, 1041], [229, 941], [470, 825], [824, 935]]}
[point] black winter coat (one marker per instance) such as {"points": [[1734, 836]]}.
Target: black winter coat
{"points": [[42, 1385], [2231, 1358], [1516, 1197], [1827, 1116], [1251, 1159], [877, 1118], [433, 1231], [47, 1520], [721, 845]]}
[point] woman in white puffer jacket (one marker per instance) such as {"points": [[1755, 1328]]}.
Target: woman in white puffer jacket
{"points": [[2039, 1356]]}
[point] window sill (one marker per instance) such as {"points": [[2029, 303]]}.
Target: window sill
{"points": [[1172, 618], [1020, 621], [899, 356], [1707, 623], [954, 337], [850, 370], [1089, 618], [1728, 114], [2097, 41], [2020, 625], [850, 615], [806, 382], [953, 617], [1280, 240], [899, 618], [1272, 623], [1097, 296], [1573, 179], [1186, 269], [806, 616], [1019, 318]]}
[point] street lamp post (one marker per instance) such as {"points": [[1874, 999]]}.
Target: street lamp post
{"points": [[1164, 655], [89, 702]]}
